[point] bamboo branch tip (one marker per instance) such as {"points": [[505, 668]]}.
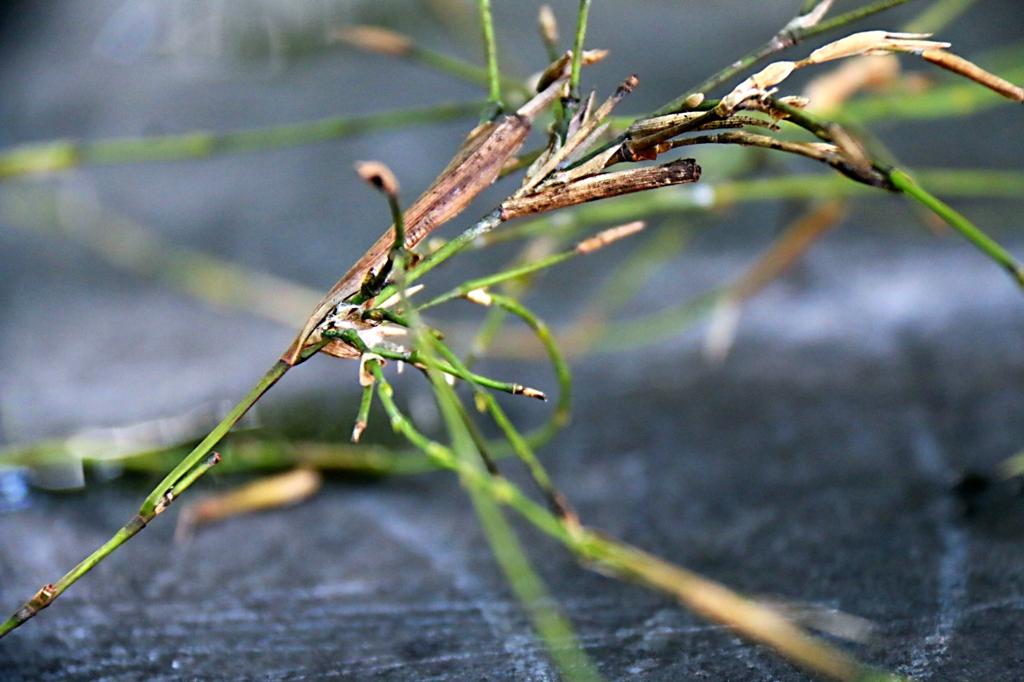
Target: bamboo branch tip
{"points": [[627, 86], [374, 39], [968, 69], [809, 19], [357, 431], [609, 236], [528, 392], [378, 175]]}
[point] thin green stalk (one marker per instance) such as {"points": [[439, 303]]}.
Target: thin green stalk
{"points": [[499, 277], [571, 103], [363, 415], [449, 249], [181, 477], [59, 155], [582, 17], [419, 359], [520, 447], [495, 319], [245, 453], [554, 629], [748, 618], [485, 491], [904, 183], [786, 38], [207, 444], [852, 16], [563, 406], [494, 103], [960, 223], [382, 41], [48, 593]]}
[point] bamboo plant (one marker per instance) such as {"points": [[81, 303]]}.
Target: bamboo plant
{"points": [[373, 314]]}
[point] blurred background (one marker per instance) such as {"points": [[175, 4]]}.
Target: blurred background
{"points": [[817, 462]]}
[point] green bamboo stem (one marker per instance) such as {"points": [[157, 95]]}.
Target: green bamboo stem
{"points": [[520, 447], [59, 155], [582, 17], [571, 103], [710, 599], [363, 415], [786, 38], [203, 448], [180, 478], [563, 405], [48, 593], [906, 184], [555, 630], [449, 249], [494, 103]]}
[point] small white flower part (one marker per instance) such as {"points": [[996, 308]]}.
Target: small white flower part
{"points": [[811, 19], [873, 43], [376, 336], [366, 377], [395, 298], [480, 297]]}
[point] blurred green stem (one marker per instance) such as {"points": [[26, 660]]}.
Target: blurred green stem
{"points": [[59, 155], [494, 104], [937, 16], [193, 466], [960, 223], [748, 618]]}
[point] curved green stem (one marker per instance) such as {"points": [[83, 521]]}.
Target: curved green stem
{"points": [[712, 600], [991, 248]]}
